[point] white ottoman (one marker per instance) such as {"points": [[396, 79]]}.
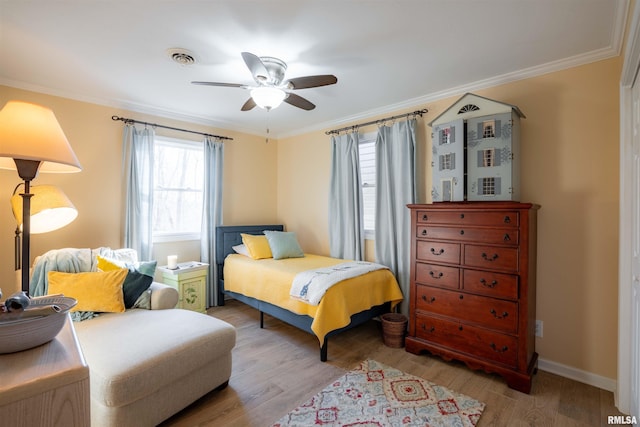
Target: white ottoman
{"points": [[146, 365]]}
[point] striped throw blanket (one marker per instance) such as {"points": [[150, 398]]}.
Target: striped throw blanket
{"points": [[309, 286]]}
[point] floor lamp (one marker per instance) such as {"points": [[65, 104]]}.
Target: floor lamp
{"points": [[32, 141]]}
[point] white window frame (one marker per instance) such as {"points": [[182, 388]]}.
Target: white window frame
{"points": [[488, 129], [166, 237], [368, 140]]}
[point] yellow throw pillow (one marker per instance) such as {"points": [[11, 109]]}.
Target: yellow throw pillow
{"points": [[258, 246], [107, 265], [99, 291]]}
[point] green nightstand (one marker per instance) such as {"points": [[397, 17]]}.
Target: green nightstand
{"points": [[189, 279]]}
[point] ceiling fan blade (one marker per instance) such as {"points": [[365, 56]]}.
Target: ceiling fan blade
{"points": [[248, 105], [256, 66], [298, 101], [221, 84], [312, 81]]}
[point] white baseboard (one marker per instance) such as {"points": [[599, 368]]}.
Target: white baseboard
{"points": [[589, 378]]}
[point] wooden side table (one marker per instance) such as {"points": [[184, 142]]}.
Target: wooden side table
{"points": [[47, 385], [190, 280]]}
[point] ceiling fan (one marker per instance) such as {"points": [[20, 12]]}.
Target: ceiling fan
{"points": [[271, 89]]}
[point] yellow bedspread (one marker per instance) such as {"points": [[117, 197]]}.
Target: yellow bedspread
{"points": [[269, 280]]}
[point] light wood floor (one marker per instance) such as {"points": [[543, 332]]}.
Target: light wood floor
{"points": [[277, 368]]}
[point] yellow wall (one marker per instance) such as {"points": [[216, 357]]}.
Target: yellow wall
{"points": [[569, 166], [249, 175]]}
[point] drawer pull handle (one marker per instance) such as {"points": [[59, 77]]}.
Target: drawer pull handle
{"points": [[462, 232], [507, 220], [497, 316], [439, 252], [498, 350], [431, 329], [425, 217], [507, 238], [487, 284], [487, 258], [461, 216], [461, 296], [424, 232], [430, 301], [460, 328], [436, 275]]}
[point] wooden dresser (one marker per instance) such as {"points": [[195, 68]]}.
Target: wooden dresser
{"points": [[473, 288]]}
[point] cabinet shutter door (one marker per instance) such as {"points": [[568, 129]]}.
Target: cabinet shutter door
{"points": [[498, 129], [436, 136]]}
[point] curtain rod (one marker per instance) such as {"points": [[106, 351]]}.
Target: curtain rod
{"points": [[130, 121], [379, 121]]}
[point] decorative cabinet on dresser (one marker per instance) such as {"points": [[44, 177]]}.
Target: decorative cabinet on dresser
{"points": [[473, 293]]}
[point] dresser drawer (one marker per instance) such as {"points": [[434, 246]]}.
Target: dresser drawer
{"points": [[468, 339], [438, 252], [491, 257], [437, 275], [485, 311], [489, 283], [507, 236], [491, 219]]}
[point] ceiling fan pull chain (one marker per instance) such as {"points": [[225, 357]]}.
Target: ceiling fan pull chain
{"points": [[267, 140]]}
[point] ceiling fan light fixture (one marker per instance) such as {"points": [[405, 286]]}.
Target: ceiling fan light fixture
{"points": [[268, 97]]}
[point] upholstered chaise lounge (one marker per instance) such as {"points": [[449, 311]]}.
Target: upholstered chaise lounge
{"points": [[147, 364]]}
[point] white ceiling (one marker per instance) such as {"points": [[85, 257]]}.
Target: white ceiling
{"points": [[387, 55]]}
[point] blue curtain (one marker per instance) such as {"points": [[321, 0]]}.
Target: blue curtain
{"points": [[346, 228], [212, 213], [395, 189], [138, 170]]}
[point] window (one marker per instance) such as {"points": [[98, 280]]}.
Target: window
{"points": [[489, 186], [445, 136], [447, 161], [489, 129], [367, 153], [488, 157], [467, 108], [178, 189]]}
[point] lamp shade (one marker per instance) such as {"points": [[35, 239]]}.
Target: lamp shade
{"points": [[31, 132], [268, 97], [50, 209]]}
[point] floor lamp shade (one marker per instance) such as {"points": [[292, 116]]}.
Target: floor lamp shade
{"points": [[32, 141], [32, 132]]}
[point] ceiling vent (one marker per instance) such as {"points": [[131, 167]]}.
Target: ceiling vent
{"points": [[181, 56]]}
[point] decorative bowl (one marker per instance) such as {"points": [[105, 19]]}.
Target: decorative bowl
{"points": [[23, 334]]}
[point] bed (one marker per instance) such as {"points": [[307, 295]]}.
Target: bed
{"points": [[343, 307]]}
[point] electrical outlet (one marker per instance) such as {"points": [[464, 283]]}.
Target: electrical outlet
{"points": [[539, 328]]}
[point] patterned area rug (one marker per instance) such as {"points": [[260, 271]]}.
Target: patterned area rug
{"points": [[375, 395]]}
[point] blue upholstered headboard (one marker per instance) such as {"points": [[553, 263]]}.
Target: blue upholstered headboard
{"points": [[228, 236]]}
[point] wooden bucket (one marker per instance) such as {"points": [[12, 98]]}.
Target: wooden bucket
{"points": [[394, 329]]}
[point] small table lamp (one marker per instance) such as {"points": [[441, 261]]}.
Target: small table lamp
{"points": [[32, 141], [51, 209]]}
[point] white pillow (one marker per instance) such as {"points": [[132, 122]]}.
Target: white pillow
{"points": [[242, 250]]}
